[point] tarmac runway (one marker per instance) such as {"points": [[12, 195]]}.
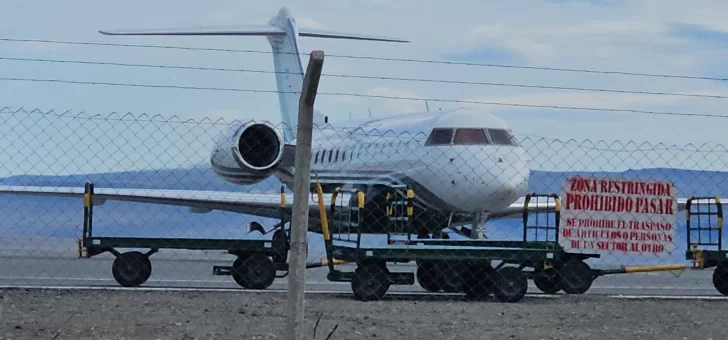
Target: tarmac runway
{"points": [[194, 270], [183, 300]]}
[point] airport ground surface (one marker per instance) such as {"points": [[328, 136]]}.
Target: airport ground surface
{"points": [[203, 306], [40, 269], [69, 314]]}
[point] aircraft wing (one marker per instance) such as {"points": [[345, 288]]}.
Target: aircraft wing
{"points": [[257, 204], [541, 204]]}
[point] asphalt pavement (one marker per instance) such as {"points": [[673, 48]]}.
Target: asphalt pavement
{"points": [[183, 300], [66, 314], [172, 269]]}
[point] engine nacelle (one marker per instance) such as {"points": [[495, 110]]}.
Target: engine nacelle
{"points": [[249, 153], [258, 147]]}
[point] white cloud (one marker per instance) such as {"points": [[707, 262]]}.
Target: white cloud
{"points": [[583, 100], [710, 14], [547, 44]]}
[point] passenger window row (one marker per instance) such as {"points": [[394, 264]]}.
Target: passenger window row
{"points": [[333, 156], [338, 155]]}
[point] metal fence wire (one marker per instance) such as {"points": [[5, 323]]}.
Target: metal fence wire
{"points": [[138, 200]]}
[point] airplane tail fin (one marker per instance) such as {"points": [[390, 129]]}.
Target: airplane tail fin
{"points": [[282, 34]]}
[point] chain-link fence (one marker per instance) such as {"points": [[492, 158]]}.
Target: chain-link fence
{"points": [[390, 210]]}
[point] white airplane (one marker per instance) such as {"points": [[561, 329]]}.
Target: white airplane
{"points": [[464, 165]]}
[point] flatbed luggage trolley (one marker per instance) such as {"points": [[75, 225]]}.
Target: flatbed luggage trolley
{"points": [[705, 238], [372, 278], [256, 265]]}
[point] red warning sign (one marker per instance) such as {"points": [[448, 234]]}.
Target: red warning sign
{"points": [[608, 215]]}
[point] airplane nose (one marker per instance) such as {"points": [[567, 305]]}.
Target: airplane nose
{"points": [[475, 179], [489, 187], [507, 187]]}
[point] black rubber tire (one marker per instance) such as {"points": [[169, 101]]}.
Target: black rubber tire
{"points": [[449, 275], [131, 269], [254, 271], [547, 281], [280, 241], [371, 282], [720, 279], [576, 277], [510, 285], [427, 277], [478, 281]]}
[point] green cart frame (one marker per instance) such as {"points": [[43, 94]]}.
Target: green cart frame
{"points": [[440, 262], [257, 265], [707, 253]]}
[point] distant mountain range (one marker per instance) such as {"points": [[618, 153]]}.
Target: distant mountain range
{"points": [[688, 182], [52, 218]]}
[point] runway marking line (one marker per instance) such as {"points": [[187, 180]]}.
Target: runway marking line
{"points": [[232, 290], [97, 279], [329, 292], [690, 288], [668, 297]]}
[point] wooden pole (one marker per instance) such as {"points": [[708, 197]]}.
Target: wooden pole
{"points": [[301, 190]]}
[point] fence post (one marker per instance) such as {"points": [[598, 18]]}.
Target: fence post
{"points": [[301, 189]]}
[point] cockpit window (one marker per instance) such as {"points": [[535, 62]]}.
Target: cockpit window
{"points": [[502, 137], [470, 137], [440, 137]]}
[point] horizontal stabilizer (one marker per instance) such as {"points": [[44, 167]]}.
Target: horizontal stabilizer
{"points": [[265, 30], [338, 35], [282, 33], [213, 30]]}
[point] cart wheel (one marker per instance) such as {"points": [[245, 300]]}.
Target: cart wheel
{"points": [[720, 279], [547, 281], [478, 280], [370, 282], [576, 277], [280, 241], [510, 284], [255, 271], [426, 276], [131, 269], [449, 274]]}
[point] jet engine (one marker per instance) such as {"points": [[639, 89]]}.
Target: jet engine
{"points": [[258, 147], [249, 153]]}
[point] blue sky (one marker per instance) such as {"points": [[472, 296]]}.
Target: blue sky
{"points": [[668, 37]]}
